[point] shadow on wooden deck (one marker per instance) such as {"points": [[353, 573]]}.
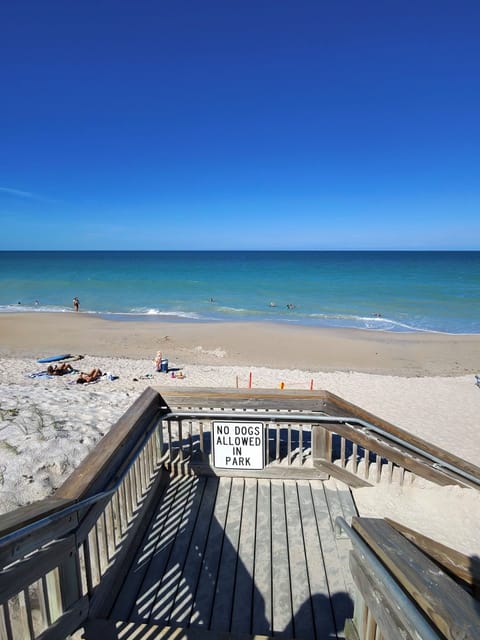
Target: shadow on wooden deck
{"points": [[235, 555]]}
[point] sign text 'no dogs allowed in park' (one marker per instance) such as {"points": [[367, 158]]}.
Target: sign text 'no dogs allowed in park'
{"points": [[238, 445]]}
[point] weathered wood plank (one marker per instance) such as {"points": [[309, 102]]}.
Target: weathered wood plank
{"points": [[223, 602], [335, 507], [341, 474], [392, 624], [194, 562], [346, 499], [340, 599], [21, 517], [262, 596], [240, 398], [297, 556], [464, 567], [455, 613], [68, 622], [128, 602], [153, 577], [281, 588], [175, 567], [26, 572], [153, 526], [320, 597], [340, 504], [274, 471], [24, 544], [120, 630], [244, 585], [203, 603]]}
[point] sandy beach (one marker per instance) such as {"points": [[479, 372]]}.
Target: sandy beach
{"points": [[423, 383], [284, 346]]}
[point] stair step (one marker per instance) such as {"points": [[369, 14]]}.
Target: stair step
{"points": [[120, 630], [340, 503]]}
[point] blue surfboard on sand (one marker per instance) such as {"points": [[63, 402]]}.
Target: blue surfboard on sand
{"points": [[55, 358]]}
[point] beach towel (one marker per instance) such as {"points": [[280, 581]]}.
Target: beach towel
{"points": [[84, 384], [45, 374]]}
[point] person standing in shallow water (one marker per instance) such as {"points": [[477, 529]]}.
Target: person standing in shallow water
{"points": [[76, 303]]}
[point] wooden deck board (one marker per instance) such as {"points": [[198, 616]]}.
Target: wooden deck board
{"points": [[281, 592], [239, 555], [188, 586], [342, 605], [204, 597], [243, 591], [152, 579], [124, 602], [262, 594], [174, 570], [299, 583], [222, 607], [321, 608]]}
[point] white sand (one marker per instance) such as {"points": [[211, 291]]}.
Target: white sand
{"points": [[48, 426]]}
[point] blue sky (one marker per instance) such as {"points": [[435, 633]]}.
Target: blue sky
{"points": [[240, 124]]}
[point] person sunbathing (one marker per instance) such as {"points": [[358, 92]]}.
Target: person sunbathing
{"points": [[93, 375], [60, 369]]}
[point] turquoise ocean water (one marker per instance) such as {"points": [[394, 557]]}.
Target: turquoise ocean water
{"points": [[389, 291]]}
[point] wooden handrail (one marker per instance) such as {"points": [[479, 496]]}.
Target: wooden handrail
{"points": [[448, 607], [401, 593], [113, 451], [465, 568]]}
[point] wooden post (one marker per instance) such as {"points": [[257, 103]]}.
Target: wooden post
{"points": [[321, 444], [250, 380], [70, 582]]}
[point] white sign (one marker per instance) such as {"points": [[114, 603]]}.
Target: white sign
{"points": [[238, 445]]}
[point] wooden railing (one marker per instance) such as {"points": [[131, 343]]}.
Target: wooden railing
{"points": [[315, 435], [53, 559], [401, 591], [63, 558]]}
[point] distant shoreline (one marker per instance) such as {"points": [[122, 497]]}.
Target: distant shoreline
{"points": [[173, 318], [241, 343]]}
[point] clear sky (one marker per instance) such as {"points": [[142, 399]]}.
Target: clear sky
{"points": [[240, 124]]}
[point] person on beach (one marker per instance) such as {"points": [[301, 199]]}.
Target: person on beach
{"points": [[158, 360], [76, 303], [94, 374], [59, 370]]}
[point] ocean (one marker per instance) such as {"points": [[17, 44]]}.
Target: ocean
{"points": [[387, 291]]}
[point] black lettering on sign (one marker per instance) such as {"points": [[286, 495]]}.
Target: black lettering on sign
{"points": [[223, 429], [239, 461], [247, 430]]}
